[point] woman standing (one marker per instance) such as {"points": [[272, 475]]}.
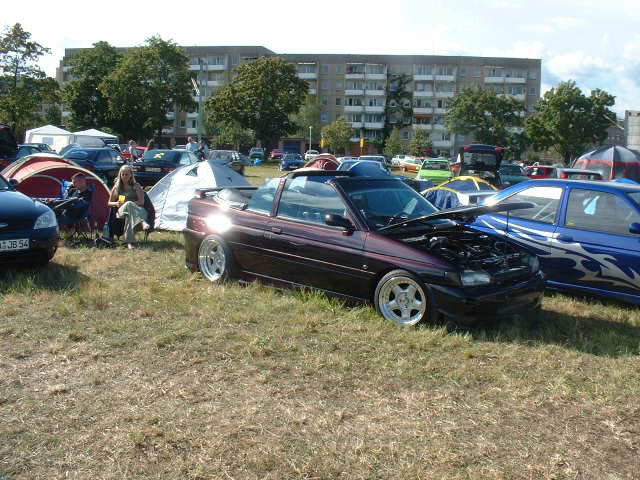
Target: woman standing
{"points": [[127, 196]]}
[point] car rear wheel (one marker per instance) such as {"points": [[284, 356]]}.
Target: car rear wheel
{"points": [[402, 298], [214, 259]]}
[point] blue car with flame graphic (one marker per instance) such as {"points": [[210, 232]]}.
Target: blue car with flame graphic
{"points": [[585, 233]]}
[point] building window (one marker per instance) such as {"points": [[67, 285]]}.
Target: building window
{"points": [[354, 102], [338, 101], [375, 69], [444, 70], [324, 84], [494, 72], [515, 90], [338, 85], [405, 135], [355, 68], [354, 85], [355, 117], [533, 75], [183, 123], [338, 68], [323, 100], [423, 69], [462, 71], [220, 60], [194, 123], [324, 68], [475, 72], [234, 60], [306, 68], [532, 90], [324, 116]]}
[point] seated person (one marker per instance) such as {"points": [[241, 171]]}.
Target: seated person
{"points": [[128, 197], [74, 211]]}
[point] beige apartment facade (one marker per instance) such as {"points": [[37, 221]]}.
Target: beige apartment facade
{"points": [[359, 88]]}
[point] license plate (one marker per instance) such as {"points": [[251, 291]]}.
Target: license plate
{"points": [[153, 169], [18, 244]]}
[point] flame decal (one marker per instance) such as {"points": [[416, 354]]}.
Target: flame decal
{"points": [[608, 272]]}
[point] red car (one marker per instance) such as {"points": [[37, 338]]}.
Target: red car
{"points": [[540, 171], [364, 238], [276, 154]]}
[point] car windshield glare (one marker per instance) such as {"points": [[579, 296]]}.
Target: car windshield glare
{"points": [[4, 185], [386, 202]]}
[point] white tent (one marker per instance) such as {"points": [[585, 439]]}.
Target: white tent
{"points": [[55, 137], [92, 132], [172, 193]]}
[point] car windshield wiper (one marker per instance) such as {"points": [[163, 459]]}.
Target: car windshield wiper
{"points": [[406, 222]]}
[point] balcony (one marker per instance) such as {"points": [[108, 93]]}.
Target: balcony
{"points": [[445, 78], [312, 91], [438, 126], [357, 125], [216, 68], [354, 139], [167, 130], [171, 115], [375, 93], [493, 79], [354, 76], [214, 83], [417, 78], [353, 108], [515, 80], [423, 93], [192, 114], [442, 143], [422, 110], [374, 109], [308, 76], [443, 94], [376, 76], [439, 110], [422, 126], [192, 130], [354, 92], [374, 125]]}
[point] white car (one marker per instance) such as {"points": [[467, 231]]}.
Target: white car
{"points": [[310, 155], [375, 158], [398, 160]]}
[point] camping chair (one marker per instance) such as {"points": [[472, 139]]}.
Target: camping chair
{"points": [[79, 231], [116, 225]]}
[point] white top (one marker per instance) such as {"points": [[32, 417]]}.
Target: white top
{"points": [[192, 147]]}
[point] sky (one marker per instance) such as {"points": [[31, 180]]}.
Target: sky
{"points": [[595, 43]]}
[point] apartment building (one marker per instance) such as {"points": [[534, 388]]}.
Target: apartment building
{"points": [[359, 87]]}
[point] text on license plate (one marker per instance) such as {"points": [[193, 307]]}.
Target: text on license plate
{"points": [[153, 169], [18, 244]]}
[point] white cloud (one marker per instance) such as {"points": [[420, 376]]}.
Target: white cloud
{"points": [[539, 28], [568, 22]]}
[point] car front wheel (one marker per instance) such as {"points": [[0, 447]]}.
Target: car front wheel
{"points": [[402, 298], [214, 259]]}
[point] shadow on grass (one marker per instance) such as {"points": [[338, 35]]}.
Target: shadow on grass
{"points": [[54, 277], [592, 335], [161, 245]]}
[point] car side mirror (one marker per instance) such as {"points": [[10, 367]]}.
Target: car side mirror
{"points": [[339, 221], [634, 228], [13, 183]]}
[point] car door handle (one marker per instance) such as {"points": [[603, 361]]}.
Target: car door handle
{"points": [[564, 238], [276, 229]]}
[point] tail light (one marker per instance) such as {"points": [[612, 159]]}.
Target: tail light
{"points": [[564, 175], [499, 149]]}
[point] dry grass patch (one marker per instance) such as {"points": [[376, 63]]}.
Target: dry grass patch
{"points": [[132, 367]]}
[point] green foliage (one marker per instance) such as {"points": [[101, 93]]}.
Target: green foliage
{"points": [[398, 110], [309, 116], [83, 96], [53, 115], [234, 134], [262, 97], [149, 82], [491, 119], [393, 146], [337, 135], [568, 121], [23, 85], [420, 143]]}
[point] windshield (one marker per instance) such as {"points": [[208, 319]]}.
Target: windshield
{"points": [[386, 202], [164, 155], [479, 160], [511, 170], [430, 165]]}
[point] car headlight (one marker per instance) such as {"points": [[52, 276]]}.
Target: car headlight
{"points": [[473, 278], [533, 262], [46, 220]]}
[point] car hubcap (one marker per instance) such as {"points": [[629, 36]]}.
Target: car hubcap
{"points": [[212, 259], [403, 301]]}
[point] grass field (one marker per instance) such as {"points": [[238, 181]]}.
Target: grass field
{"points": [[122, 364]]}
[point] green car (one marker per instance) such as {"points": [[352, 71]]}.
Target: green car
{"points": [[435, 169]]}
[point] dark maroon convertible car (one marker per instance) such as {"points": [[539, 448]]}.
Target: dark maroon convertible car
{"points": [[363, 238]]}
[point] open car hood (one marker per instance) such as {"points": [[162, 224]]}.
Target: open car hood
{"points": [[465, 214]]}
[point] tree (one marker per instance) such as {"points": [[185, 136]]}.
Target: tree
{"points": [[82, 95], [568, 121], [337, 135], [393, 146], [149, 82], [490, 118], [53, 115], [24, 87], [262, 98], [308, 116], [234, 134], [420, 143]]}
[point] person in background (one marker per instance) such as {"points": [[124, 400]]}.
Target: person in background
{"points": [[78, 208], [192, 146], [127, 196], [132, 150], [203, 150], [151, 145]]}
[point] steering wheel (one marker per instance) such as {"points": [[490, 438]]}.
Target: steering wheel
{"points": [[401, 215]]}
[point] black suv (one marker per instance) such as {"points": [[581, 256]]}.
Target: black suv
{"points": [[105, 162]]}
